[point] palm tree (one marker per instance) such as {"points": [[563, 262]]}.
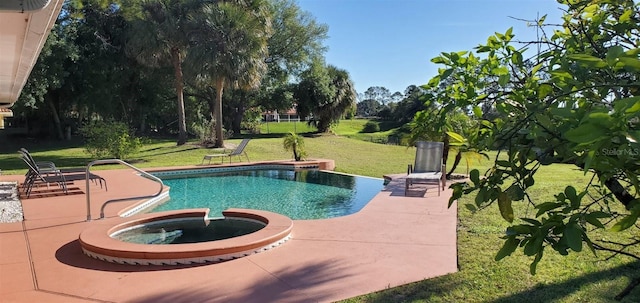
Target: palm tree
{"points": [[295, 143], [325, 93], [229, 49], [160, 38], [344, 98]]}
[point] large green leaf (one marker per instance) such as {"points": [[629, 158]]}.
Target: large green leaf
{"points": [[632, 52], [562, 75], [544, 90], [534, 245], [602, 119], [536, 260], [508, 248], [456, 137], [563, 112], [572, 195], [547, 206], [504, 204], [439, 60], [613, 54], [573, 236], [516, 58], [588, 60], [627, 105], [626, 16], [515, 192], [477, 111], [586, 133], [444, 74], [594, 218], [630, 64], [474, 176], [626, 222]]}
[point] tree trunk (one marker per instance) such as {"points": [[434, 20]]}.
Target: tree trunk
{"points": [[622, 195], [295, 152], [445, 150], [218, 112], [211, 101], [56, 117], [236, 124], [455, 164], [182, 125], [142, 126], [619, 192]]}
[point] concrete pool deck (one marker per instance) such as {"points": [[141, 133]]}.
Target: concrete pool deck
{"points": [[394, 240]]}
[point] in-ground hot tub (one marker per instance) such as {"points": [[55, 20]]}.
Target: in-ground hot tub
{"points": [[184, 237], [188, 230]]}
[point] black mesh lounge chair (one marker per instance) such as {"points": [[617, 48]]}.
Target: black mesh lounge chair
{"points": [[48, 168], [428, 167], [44, 167], [239, 151], [34, 176]]}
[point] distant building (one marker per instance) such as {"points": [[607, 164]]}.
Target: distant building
{"points": [[4, 113], [275, 116]]}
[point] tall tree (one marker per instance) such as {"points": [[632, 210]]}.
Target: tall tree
{"points": [[230, 47], [577, 102], [396, 97], [160, 36], [296, 40], [413, 102], [378, 93], [326, 93], [368, 108]]}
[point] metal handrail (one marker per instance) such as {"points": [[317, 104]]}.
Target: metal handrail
{"points": [[118, 161]]}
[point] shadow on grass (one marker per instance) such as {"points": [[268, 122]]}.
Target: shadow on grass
{"points": [[167, 151], [12, 144], [384, 126], [432, 288], [269, 136], [441, 287], [37, 147], [556, 291]]}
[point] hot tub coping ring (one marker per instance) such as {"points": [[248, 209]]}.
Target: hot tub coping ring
{"points": [[96, 241]]}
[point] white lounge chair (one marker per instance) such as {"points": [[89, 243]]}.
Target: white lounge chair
{"points": [[239, 151], [428, 167]]}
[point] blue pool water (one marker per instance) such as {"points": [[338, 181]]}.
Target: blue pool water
{"points": [[307, 194]]}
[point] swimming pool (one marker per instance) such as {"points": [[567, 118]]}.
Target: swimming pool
{"points": [[297, 194]]}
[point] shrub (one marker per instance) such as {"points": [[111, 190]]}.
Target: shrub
{"points": [[203, 128], [294, 142], [371, 127], [252, 119], [109, 139]]}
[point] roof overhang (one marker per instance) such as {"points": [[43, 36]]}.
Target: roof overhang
{"points": [[24, 27]]}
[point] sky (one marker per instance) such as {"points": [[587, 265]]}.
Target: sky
{"points": [[390, 43]]}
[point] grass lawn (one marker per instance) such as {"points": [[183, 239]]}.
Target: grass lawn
{"points": [[346, 128], [578, 277]]}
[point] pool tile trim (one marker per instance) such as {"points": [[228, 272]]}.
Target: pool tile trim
{"points": [[184, 261], [183, 172]]}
